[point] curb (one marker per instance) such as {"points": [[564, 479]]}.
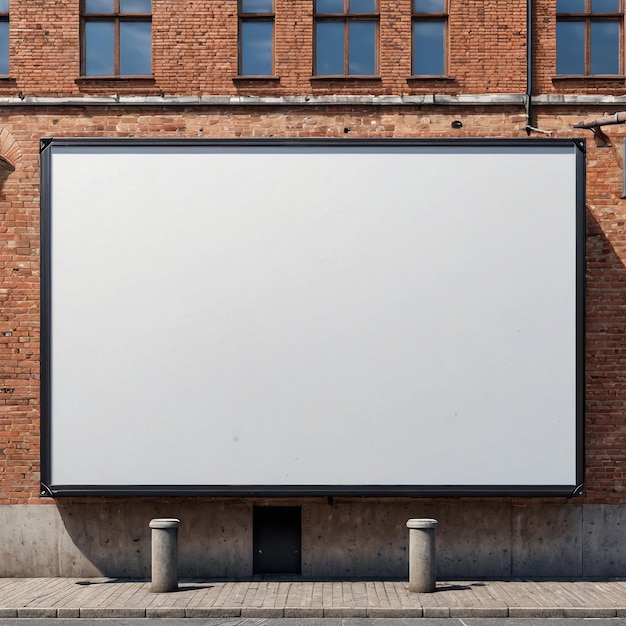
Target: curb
{"points": [[307, 612]]}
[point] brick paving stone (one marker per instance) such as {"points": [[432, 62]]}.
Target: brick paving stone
{"points": [[337, 595], [306, 595], [318, 595], [98, 594], [136, 594], [47, 592], [294, 595], [282, 594], [348, 595], [600, 597], [261, 595], [23, 594], [526, 595], [209, 596], [402, 595], [500, 592], [381, 593], [248, 598], [359, 594], [327, 595], [370, 594]]}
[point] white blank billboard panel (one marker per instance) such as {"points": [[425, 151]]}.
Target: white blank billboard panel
{"points": [[350, 315]]}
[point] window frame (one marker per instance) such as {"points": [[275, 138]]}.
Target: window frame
{"points": [[347, 18], [588, 17], [247, 17], [117, 17], [431, 16], [5, 17]]}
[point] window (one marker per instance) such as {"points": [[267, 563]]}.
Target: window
{"points": [[4, 37], [588, 37], [346, 34], [117, 38], [430, 22], [256, 37]]}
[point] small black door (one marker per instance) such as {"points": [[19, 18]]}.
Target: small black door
{"points": [[277, 536]]}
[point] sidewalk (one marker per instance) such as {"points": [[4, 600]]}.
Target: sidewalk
{"points": [[116, 598]]}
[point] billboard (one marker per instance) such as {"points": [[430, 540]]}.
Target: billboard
{"points": [[312, 317]]}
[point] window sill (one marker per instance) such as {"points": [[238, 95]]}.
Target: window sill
{"points": [[344, 78], [424, 78], [256, 79], [116, 79], [615, 78]]}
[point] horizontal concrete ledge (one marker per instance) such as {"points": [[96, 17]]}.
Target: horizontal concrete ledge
{"points": [[536, 612], [236, 101], [513, 99], [578, 99]]}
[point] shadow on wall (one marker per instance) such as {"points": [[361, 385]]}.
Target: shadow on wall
{"points": [[113, 538], [605, 392]]}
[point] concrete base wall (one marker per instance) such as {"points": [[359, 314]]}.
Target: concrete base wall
{"points": [[343, 539]]}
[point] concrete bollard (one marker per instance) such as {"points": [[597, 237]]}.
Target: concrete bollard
{"points": [[422, 561], [164, 555]]}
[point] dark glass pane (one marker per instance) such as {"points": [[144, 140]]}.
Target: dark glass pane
{"points": [[4, 47], [4, 6], [570, 6], [257, 6], [362, 6], [135, 6], [604, 6], [135, 48], [604, 48], [256, 48], [428, 48], [99, 48], [99, 6], [362, 49], [428, 6], [329, 48], [570, 48], [329, 6]]}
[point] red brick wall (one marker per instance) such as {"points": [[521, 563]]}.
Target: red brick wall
{"points": [[195, 51]]}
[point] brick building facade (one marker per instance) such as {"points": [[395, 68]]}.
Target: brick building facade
{"points": [[195, 87]]}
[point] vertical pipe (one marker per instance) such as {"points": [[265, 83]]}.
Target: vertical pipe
{"points": [[529, 65]]}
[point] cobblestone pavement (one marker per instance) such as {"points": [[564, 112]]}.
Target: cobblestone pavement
{"points": [[120, 598]]}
